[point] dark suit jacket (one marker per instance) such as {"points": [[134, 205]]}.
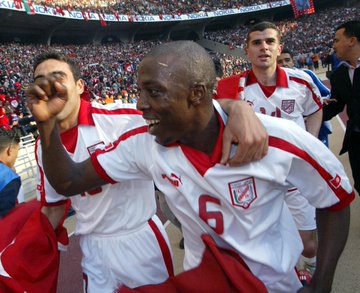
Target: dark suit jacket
{"points": [[346, 94]]}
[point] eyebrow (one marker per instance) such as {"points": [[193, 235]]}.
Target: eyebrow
{"points": [[62, 73], [266, 39]]}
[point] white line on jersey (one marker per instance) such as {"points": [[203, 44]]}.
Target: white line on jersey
{"points": [[341, 123]]}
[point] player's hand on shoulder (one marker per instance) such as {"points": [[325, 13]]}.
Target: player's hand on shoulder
{"points": [[328, 101], [46, 97], [244, 129]]}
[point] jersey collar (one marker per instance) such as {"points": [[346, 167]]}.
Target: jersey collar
{"points": [[201, 161], [69, 137], [85, 113], [281, 77]]}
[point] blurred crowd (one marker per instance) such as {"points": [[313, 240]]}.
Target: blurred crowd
{"points": [[109, 71], [309, 37], [149, 7]]}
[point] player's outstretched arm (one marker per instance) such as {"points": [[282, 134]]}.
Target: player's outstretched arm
{"points": [[245, 130], [333, 229]]}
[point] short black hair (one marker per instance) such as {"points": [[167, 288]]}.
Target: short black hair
{"points": [[8, 136], [261, 26], [60, 57], [352, 29], [287, 51]]}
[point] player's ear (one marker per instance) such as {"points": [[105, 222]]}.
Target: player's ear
{"points": [[80, 86], [198, 92]]}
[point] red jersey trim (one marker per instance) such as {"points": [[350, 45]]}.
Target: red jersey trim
{"points": [[304, 82], [281, 78], [86, 111], [344, 197], [98, 168], [163, 247], [201, 161]]}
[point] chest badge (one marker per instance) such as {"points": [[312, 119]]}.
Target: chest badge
{"points": [[242, 192], [288, 106]]}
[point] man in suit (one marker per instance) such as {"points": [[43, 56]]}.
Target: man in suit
{"points": [[345, 90]]}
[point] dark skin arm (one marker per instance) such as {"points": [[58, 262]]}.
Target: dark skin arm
{"points": [[46, 99], [333, 229], [245, 130]]}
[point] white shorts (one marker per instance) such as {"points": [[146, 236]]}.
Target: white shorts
{"points": [[302, 212], [289, 284], [134, 258]]}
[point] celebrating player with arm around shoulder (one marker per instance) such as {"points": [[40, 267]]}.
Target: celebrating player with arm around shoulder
{"points": [[178, 145]]}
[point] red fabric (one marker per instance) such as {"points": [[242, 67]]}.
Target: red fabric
{"points": [[4, 120], [102, 21], [219, 271], [228, 88], [29, 251]]}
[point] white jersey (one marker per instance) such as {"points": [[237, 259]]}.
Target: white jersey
{"points": [[101, 211], [295, 95], [242, 208], [115, 217]]}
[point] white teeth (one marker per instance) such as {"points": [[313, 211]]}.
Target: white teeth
{"points": [[152, 122]]}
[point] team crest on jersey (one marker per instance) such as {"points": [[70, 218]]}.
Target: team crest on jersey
{"points": [[288, 106], [243, 192]]}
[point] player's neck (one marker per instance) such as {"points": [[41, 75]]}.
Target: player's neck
{"points": [[70, 121], [204, 137], [265, 76]]}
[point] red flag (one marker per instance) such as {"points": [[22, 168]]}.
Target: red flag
{"points": [[29, 251], [84, 15], [18, 4], [116, 14], [301, 7], [220, 270], [102, 21], [59, 10]]}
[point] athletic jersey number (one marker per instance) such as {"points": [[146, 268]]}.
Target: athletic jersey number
{"points": [[207, 216]]}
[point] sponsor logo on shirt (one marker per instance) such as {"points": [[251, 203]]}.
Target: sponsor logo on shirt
{"points": [[91, 149], [288, 106], [243, 192], [173, 179]]}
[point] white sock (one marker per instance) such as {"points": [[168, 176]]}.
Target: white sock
{"points": [[309, 263]]}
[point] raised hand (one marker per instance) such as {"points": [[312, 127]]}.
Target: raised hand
{"points": [[46, 98]]}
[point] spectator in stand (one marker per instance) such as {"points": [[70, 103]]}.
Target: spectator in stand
{"points": [[10, 182], [4, 119]]}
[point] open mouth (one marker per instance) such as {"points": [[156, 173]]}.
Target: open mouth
{"points": [[152, 123]]}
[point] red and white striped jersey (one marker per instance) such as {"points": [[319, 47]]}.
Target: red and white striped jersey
{"points": [[112, 208], [294, 97], [242, 208]]}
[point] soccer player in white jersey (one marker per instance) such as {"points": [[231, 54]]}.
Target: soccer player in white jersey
{"points": [[285, 93], [179, 146], [121, 238]]}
